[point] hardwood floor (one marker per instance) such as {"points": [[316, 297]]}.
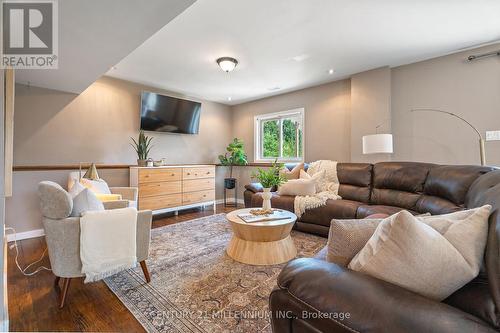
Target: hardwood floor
{"points": [[33, 301]]}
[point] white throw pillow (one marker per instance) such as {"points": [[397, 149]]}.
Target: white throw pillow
{"points": [[318, 178], [76, 189], [85, 201], [96, 186], [300, 187], [407, 252]]}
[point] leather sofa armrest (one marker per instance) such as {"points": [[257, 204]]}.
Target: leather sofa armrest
{"points": [[332, 298], [255, 187]]}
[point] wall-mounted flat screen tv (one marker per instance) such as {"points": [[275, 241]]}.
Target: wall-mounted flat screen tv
{"points": [[160, 113]]}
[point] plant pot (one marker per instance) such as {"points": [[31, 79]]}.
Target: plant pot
{"points": [[266, 199], [142, 163], [229, 183]]}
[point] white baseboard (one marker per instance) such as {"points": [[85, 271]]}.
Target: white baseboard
{"points": [[221, 201], [25, 235]]}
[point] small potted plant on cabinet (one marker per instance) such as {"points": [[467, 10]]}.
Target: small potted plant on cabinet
{"points": [[269, 178], [142, 147], [235, 155]]}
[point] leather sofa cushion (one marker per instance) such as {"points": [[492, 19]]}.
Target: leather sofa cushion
{"points": [[356, 193], [401, 176], [452, 182], [358, 174], [367, 210], [435, 205], [475, 298], [355, 181], [334, 209], [389, 197]]}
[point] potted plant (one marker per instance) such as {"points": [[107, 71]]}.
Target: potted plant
{"points": [[269, 178], [235, 155], [142, 147]]}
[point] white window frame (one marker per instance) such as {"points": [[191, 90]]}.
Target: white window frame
{"points": [[258, 134]]}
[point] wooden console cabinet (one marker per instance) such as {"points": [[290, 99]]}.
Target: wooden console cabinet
{"points": [[172, 188]]}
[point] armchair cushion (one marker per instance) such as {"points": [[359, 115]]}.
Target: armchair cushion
{"points": [[311, 286], [116, 204], [55, 202]]}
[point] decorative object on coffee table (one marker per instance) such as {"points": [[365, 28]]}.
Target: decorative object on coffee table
{"points": [[269, 178], [482, 154], [142, 147], [261, 243], [235, 155]]}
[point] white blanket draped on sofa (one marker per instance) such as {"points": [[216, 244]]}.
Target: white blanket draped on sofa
{"points": [[327, 187], [107, 242]]}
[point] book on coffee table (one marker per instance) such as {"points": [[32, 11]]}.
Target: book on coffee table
{"points": [[275, 216]]}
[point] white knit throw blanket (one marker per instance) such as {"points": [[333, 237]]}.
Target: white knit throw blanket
{"points": [[107, 242], [327, 187]]}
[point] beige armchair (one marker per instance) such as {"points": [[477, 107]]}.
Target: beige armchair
{"points": [[62, 234], [129, 194]]}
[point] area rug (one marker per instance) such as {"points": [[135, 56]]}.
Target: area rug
{"points": [[196, 287]]}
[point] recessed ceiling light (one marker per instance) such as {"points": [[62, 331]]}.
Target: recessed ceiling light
{"points": [[113, 68], [227, 64], [330, 71], [229, 99]]}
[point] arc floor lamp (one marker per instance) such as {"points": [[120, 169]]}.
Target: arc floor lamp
{"points": [[481, 139]]}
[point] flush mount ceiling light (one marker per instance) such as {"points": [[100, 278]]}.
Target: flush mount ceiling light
{"points": [[227, 64]]}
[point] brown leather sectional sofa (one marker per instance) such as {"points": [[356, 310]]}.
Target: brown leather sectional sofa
{"points": [[313, 295]]}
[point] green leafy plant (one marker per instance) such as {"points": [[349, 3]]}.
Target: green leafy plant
{"points": [[142, 146], [235, 155], [270, 177]]}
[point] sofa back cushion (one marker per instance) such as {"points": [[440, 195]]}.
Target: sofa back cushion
{"points": [[446, 187], [399, 184], [355, 181]]}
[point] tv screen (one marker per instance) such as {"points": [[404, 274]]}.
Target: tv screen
{"points": [[162, 113]]}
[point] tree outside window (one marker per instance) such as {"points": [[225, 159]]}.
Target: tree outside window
{"points": [[280, 136]]}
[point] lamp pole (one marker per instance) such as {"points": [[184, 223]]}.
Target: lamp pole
{"points": [[481, 139]]}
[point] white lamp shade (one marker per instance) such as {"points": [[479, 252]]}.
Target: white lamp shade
{"points": [[377, 143]]}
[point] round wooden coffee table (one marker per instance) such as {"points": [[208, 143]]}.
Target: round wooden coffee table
{"points": [[261, 243]]}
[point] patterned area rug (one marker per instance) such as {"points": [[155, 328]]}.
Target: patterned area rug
{"points": [[196, 287]]}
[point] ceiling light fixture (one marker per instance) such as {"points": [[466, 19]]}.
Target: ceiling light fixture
{"points": [[227, 64], [330, 71], [229, 99]]}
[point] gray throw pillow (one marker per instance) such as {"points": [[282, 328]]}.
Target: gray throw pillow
{"points": [[55, 202], [85, 201]]}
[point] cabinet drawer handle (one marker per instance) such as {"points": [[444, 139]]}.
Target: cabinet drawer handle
{"points": [[172, 174]]}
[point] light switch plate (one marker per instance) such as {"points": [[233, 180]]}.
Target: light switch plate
{"points": [[492, 135]]}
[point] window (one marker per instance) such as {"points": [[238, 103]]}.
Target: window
{"points": [[280, 136]]}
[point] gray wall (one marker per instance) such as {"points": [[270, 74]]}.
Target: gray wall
{"points": [[327, 120], [471, 90], [370, 107], [53, 127]]}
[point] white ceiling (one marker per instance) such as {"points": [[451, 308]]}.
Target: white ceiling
{"points": [[264, 35], [95, 34]]}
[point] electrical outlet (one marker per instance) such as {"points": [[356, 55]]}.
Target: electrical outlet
{"points": [[492, 135]]}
